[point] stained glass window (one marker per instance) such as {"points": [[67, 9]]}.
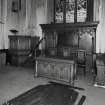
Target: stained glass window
{"points": [[70, 11], [81, 10], [59, 8]]}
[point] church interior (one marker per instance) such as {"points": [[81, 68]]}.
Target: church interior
{"points": [[52, 41]]}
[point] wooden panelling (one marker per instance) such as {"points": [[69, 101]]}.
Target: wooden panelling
{"points": [[71, 38], [2, 58], [100, 79], [56, 69], [20, 48]]}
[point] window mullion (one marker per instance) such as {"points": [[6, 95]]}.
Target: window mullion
{"points": [[64, 12], [75, 12]]}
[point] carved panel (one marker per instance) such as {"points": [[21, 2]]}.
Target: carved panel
{"points": [[87, 30], [68, 39], [56, 69], [85, 36], [51, 39]]}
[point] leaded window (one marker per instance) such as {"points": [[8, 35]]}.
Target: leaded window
{"points": [[70, 11]]}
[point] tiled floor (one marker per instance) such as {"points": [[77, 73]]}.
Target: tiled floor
{"points": [[17, 80]]}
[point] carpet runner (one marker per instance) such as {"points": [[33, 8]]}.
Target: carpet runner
{"points": [[50, 94]]}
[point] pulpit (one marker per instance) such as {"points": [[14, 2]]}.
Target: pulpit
{"points": [[20, 48]]}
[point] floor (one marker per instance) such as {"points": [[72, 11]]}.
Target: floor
{"points": [[17, 80]]}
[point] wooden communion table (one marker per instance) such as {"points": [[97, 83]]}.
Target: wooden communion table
{"points": [[55, 69]]}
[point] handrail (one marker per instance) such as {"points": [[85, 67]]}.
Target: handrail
{"points": [[40, 41], [33, 51]]}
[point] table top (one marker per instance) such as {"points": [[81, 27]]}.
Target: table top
{"points": [[55, 59]]}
